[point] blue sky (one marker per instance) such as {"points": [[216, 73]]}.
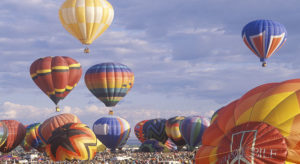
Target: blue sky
{"points": [[188, 57]]}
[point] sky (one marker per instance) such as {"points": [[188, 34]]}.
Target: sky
{"points": [[188, 57]]}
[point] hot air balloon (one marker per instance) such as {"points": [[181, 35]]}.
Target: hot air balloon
{"points": [[73, 141], [26, 147], [3, 133], [155, 129], [109, 82], [46, 129], [86, 20], [173, 131], [56, 76], [264, 38], [138, 131], [192, 128], [260, 127], [112, 131], [170, 145], [152, 145], [15, 135], [32, 138]]}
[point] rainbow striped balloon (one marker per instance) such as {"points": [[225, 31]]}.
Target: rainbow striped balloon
{"points": [[112, 131], [192, 129], [32, 137], [109, 82]]}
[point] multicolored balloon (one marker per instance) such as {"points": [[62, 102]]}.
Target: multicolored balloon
{"points": [[138, 131], [109, 82], [3, 133], [15, 135], [260, 127], [170, 145], [32, 138], [192, 129], [73, 141], [112, 131], [56, 76], [264, 37], [46, 129], [86, 20], [152, 145], [155, 129], [26, 147], [173, 132]]}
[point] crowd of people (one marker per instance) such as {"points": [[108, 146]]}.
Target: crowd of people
{"points": [[130, 156], [136, 157]]}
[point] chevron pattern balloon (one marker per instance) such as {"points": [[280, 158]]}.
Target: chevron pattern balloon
{"points": [[73, 141], [155, 129]]}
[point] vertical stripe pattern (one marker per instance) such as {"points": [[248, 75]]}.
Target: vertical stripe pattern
{"points": [[86, 19], [192, 129], [264, 37], [15, 135], [32, 137], [173, 131], [112, 131]]}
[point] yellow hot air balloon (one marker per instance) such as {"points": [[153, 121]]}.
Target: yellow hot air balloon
{"points": [[86, 20]]}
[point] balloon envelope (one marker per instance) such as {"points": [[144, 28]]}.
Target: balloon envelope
{"points": [[173, 131], [112, 131], [109, 82], [3, 133], [155, 129], [15, 135], [48, 126], [264, 37], [56, 76], [32, 138], [72, 141], [192, 129], [86, 19], [138, 131], [273, 106]]}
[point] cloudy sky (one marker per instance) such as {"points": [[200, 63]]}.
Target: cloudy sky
{"points": [[188, 56]]}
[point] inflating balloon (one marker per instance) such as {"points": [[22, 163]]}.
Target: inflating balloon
{"points": [[26, 147], [170, 145], [56, 76], [138, 131], [109, 82], [112, 131], [73, 141], [173, 131], [3, 133], [32, 138], [260, 127], [192, 129], [155, 129], [48, 126], [264, 38], [86, 20], [15, 135]]}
